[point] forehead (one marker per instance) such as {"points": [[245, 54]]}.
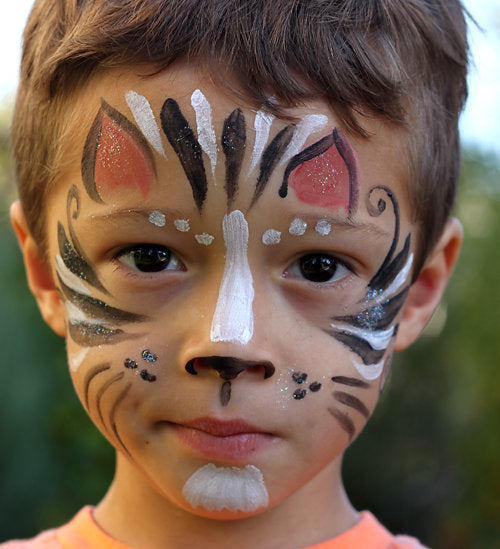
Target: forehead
{"points": [[128, 129]]}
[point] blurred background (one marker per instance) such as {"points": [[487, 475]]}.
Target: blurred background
{"points": [[428, 463]]}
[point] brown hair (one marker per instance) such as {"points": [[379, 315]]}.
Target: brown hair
{"points": [[404, 60]]}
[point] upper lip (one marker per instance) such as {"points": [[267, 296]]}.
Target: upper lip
{"points": [[222, 428]]}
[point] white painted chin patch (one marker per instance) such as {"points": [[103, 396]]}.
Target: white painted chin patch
{"points": [[232, 488]]}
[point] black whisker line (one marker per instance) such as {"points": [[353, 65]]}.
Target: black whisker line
{"points": [[187, 148], [352, 401], [316, 149], [383, 278], [100, 393], [359, 346], [270, 158], [344, 420], [89, 377], [233, 144], [351, 382], [345, 152], [118, 401], [99, 309]]}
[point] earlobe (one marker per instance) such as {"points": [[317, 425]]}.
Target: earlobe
{"points": [[426, 292], [40, 280]]}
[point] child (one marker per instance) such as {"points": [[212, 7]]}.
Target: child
{"points": [[234, 212]]}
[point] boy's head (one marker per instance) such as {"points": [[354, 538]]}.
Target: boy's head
{"points": [[236, 218]]}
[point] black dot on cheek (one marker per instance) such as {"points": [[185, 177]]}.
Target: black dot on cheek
{"points": [[299, 394], [129, 363], [146, 376], [299, 377], [315, 386]]}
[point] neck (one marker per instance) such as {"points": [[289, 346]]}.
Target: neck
{"points": [[136, 514]]}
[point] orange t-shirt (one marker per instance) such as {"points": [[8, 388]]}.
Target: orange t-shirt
{"points": [[82, 532]]}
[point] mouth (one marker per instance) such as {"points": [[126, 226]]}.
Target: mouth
{"points": [[230, 440]]}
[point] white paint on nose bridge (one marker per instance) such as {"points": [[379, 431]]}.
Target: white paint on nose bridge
{"points": [[233, 316]]}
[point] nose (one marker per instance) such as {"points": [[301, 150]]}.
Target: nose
{"points": [[229, 368]]}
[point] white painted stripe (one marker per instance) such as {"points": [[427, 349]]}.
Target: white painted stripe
{"points": [[77, 316], [232, 488], [396, 283], [370, 371], [75, 359], [378, 339], [310, 124], [233, 316], [262, 125], [205, 129], [70, 279], [145, 118]]}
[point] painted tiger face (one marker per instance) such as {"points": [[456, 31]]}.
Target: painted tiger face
{"points": [[232, 286]]}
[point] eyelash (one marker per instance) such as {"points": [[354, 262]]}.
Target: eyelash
{"points": [[298, 269], [155, 254]]}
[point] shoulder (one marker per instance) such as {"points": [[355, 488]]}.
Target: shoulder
{"points": [[45, 540]]}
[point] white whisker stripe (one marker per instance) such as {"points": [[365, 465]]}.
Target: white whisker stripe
{"points": [[232, 488], [370, 371], [233, 316], [262, 125], [396, 283], [77, 316], [75, 359], [311, 123], [145, 118], [378, 339], [70, 279], [205, 129]]}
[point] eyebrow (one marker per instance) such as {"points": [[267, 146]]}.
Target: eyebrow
{"points": [[342, 223], [127, 213]]}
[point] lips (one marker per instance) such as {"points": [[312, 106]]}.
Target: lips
{"points": [[233, 440]]}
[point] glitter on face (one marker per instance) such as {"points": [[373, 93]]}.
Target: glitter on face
{"points": [[271, 237], [148, 356], [157, 218], [297, 227], [182, 225], [204, 238], [323, 227]]}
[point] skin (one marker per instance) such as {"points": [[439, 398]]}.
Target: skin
{"points": [[172, 312]]}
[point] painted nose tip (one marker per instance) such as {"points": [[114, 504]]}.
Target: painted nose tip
{"points": [[229, 368]]}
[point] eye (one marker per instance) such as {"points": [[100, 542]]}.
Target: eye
{"points": [[150, 258], [319, 267]]}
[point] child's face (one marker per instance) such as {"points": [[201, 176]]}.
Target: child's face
{"points": [[232, 285]]}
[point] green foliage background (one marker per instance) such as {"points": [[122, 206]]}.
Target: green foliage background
{"points": [[427, 464]]}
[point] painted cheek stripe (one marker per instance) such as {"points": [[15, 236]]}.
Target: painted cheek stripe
{"points": [[233, 317], [262, 125]]}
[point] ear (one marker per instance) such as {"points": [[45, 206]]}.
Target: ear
{"points": [[40, 280], [427, 290]]}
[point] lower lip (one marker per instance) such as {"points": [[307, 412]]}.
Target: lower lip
{"points": [[232, 447]]}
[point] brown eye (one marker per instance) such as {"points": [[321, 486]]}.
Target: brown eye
{"points": [[150, 258], [319, 267]]}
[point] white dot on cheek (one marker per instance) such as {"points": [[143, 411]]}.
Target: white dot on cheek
{"points": [[323, 227], [271, 237]]}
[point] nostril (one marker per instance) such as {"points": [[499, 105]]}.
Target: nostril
{"points": [[229, 367]]}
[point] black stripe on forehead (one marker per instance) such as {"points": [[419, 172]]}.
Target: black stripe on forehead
{"points": [[187, 148], [233, 144], [270, 159]]}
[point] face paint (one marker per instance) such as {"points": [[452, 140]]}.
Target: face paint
{"points": [[76, 359], [204, 238], [157, 218], [116, 156], [323, 227], [143, 115], [187, 148], [216, 488], [271, 237], [297, 227], [233, 317], [233, 145], [205, 129], [310, 124], [262, 126], [270, 159], [70, 279], [182, 225]]}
